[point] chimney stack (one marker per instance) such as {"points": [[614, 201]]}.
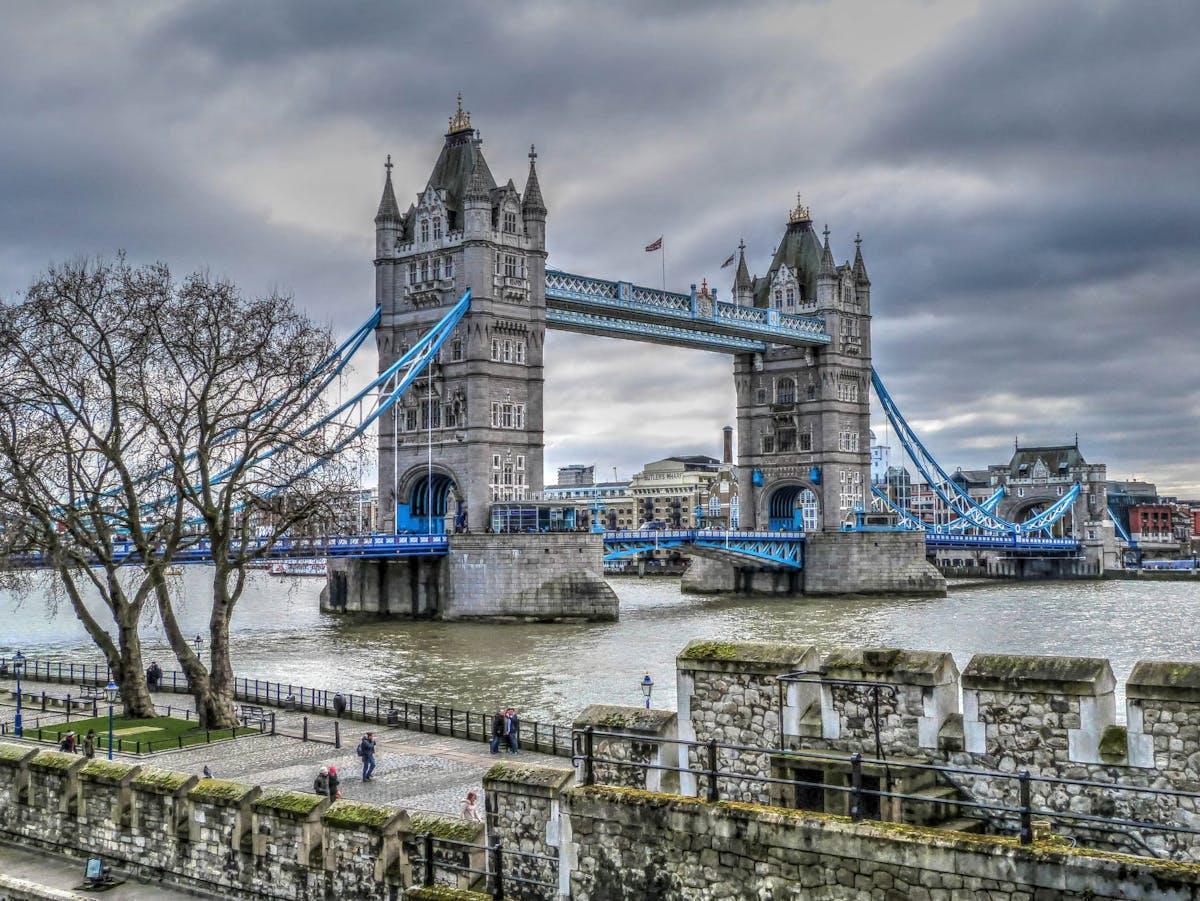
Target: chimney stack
{"points": [[727, 444]]}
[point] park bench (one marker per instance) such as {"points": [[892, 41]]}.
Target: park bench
{"points": [[253, 713]]}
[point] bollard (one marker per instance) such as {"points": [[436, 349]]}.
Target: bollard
{"points": [[272, 722], [304, 735], [337, 734], [68, 708]]}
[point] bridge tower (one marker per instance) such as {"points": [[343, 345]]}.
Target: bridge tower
{"points": [[804, 413], [469, 431]]}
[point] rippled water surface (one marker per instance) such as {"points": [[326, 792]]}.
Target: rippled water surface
{"points": [[553, 671]]}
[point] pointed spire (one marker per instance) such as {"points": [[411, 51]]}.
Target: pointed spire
{"points": [[388, 209], [860, 268], [827, 265], [532, 202], [741, 281], [478, 188]]}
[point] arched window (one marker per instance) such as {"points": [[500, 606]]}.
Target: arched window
{"points": [[714, 506], [785, 391], [437, 228], [424, 229], [791, 297], [778, 297]]}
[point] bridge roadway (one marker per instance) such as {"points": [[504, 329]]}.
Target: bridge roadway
{"points": [[781, 548]]}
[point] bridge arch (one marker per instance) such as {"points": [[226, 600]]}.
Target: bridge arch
{"points": [[424, 497], [794, 506], [1021, 509]]}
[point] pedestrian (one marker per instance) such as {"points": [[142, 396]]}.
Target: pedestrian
{"points": [[366, 750], [153, 675], [470, 810], [67, 744], [339, 705], [334, 782], [321, 783], [89, 744], [514, 728], [499, 729]]}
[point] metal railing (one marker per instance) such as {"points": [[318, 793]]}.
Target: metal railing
{"points": [[1018, 817], [427, 863], [418, 716]]}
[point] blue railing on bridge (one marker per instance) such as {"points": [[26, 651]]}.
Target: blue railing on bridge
{"points": [[1010, 540], [321, 546], [777, 548], [1171, 565]]}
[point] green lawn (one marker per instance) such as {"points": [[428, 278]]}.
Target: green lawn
{"points": [[141, 736]]}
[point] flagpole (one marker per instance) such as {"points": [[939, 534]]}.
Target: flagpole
{"points": [[663, 249]]}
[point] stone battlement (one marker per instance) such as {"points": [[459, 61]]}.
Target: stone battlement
{"points": [[238, 841]]}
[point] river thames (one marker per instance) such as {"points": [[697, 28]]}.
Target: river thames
{"points": [[550, 672]]}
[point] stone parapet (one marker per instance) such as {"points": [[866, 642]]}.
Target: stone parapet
{"points": [[650, 727], [524, 813]]}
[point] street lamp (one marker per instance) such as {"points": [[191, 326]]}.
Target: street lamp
{"points": [[647, 688], [18, 665], [111, 690], [198, 641]]}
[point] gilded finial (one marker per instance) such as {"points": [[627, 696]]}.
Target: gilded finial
{"points": [[532, 153], [388, 165], [799, 213], [460, 121], [704, 286]]}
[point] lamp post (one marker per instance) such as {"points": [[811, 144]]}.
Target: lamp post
{"points": [[110, 691], [18, 665], [198, 641], [647, 688]]}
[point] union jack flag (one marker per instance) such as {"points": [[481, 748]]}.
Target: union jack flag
{"points": [[654, 245]]}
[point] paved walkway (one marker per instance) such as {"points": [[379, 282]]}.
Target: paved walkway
{"points": [[66, 874], [416, 771]]}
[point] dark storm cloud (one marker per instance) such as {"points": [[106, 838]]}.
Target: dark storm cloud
{"points": [[1022, 173]]}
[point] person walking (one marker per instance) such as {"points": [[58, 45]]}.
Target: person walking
{"points": [[334, 782], [154, 675], [89, 744], [514, 728], [470, 808], [321, 783], [499, 729], [366, 750], [67, 744]]}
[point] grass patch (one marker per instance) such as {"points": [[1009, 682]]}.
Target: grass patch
{"points": [[141, 736]]}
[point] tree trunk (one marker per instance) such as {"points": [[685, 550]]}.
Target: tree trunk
{"points": [[216, 702], [129, 674]]}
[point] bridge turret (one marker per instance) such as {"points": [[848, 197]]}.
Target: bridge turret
{"points": [[388, 226], [743, 286], [826, 275], [862, 284], [477, 203], [533, 208]]}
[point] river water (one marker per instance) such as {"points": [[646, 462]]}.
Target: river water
{"points": [[550, 672]]}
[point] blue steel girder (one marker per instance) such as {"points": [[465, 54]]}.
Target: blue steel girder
{"points": [[599, 306], [1010, 541], [780, 548]]}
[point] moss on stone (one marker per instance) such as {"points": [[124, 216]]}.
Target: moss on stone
{"points": [[10, 753], [54, 760], [755, 653], [527, 774], [163, 781], [619, 719], [357, 815], [443, 893], [285, 801], [451, 828], [1114, 744], [219, 791], [107, 771], [1033, 673]]}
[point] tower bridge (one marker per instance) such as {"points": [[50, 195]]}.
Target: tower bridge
{"points": [[468, 433]]}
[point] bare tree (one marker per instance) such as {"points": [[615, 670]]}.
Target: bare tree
{"points": [[141, 417]]}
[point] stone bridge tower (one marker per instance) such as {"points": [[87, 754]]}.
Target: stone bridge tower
{"points": [[804, 414], [470, 430]]}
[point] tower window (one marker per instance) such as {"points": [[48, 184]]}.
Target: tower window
{"points": [[456, 350], [510, 222], [449, 267], [437, 228], [412, 273], [785, 392], [437, 267], [424, 270], [424, 229], [510, 266]]}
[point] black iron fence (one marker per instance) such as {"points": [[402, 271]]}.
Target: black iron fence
{"points": [[496, 873], [1014, 818], [439, 719]]}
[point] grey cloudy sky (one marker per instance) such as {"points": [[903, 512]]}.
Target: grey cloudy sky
{"points": [[1024, 174]]}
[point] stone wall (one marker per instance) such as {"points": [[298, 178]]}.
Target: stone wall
{"points": [[411, 587], [524, 814], [557, 576], [633, 844], [216, 836], [729, 692], [1053, 717], [651, 748], [869, 563]]}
